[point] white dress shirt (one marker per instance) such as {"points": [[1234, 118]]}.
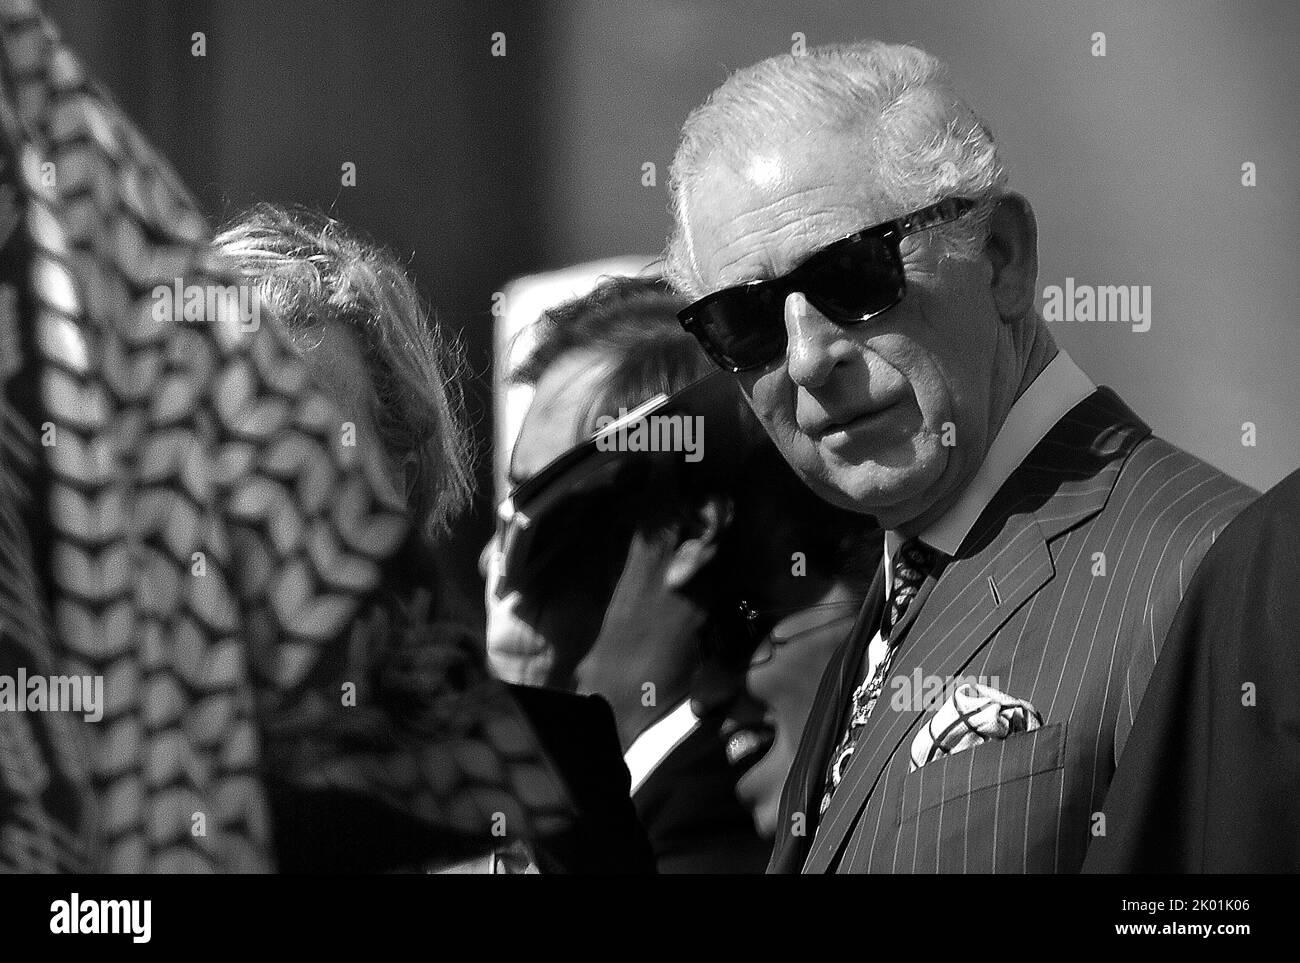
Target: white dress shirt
{"points": [[654, 744], [1058, 388]]}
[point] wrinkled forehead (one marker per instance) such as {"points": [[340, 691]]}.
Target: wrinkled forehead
{"points": [[757, 214]]}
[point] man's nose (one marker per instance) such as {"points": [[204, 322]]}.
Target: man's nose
{"points": [[816, 343]]}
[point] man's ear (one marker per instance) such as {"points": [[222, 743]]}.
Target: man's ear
{"points": [[1012, 250], [699, 541]]}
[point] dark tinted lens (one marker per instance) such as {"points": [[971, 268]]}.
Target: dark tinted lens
{"points": [[854, 280], [563, 545], [746, 327]]}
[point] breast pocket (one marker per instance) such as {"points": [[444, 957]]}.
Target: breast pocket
{"points": [[992, 808]]}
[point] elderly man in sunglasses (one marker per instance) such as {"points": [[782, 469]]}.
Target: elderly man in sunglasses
{"points": [[843, 224]]}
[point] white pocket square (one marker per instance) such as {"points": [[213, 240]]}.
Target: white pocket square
{"points": [[975, 714]]}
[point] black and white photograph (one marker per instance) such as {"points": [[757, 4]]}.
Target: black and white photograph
{"points": [[614, 439]]}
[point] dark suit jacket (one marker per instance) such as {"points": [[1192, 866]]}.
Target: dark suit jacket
{"points": [[689, 808], [579, 735], [1025, 602], [1208, 781]]}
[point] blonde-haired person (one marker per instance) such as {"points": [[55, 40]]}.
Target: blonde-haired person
{"points": [[355, 314], [203, 448]]}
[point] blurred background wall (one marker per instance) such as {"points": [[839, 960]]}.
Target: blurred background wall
{"points": [[479, 168]]}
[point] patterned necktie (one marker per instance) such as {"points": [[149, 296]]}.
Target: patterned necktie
{"points": [[911, 564]]}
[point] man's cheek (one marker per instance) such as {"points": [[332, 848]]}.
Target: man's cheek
{"points": [[770, 394], [779, 419], [931, 397]]}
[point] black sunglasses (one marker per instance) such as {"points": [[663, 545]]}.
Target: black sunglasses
{"points": [[540, 518], [850, 280]]}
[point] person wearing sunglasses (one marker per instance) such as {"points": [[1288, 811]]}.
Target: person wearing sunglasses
{"points": [[621, 574], [853, 257]]}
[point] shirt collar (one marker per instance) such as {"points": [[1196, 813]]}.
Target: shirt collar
{"points": [[654, 744], [1059, 387]]}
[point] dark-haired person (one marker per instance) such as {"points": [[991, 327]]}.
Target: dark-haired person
{"points": [[357, 319], [794, 646], [640, 598]]}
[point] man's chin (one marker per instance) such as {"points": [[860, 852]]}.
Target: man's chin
{"points": [[874, 491]]}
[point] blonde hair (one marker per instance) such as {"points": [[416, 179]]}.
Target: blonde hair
{"points": [[311, 272]]}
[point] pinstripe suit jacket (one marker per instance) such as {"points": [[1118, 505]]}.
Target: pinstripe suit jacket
{"points": [[1063, 591]]}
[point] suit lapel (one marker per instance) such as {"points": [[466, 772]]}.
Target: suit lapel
{"points": [[958, 615], [1004, 561]]}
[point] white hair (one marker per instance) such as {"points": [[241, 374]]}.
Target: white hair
{"points": [[921, 142]]}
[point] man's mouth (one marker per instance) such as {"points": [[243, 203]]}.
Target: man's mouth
{"points": [[845, 424]]}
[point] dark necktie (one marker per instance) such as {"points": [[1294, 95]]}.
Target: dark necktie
{"points": [[911, 564]]}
